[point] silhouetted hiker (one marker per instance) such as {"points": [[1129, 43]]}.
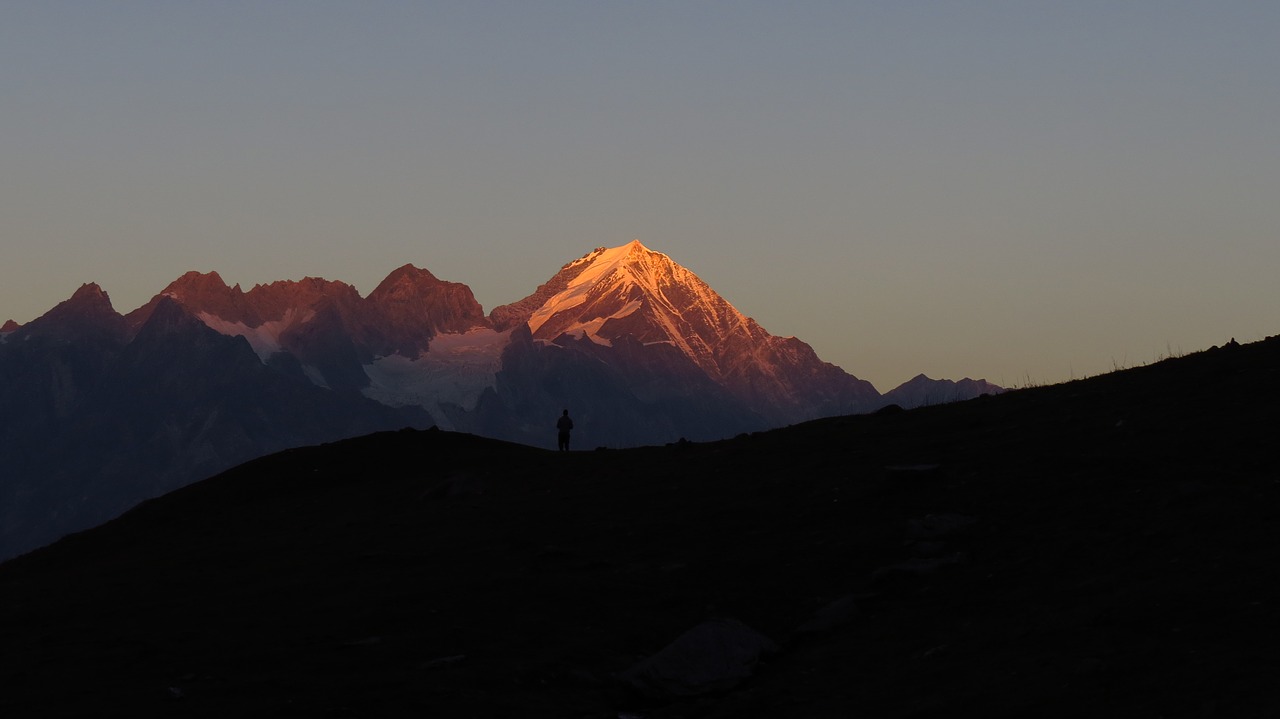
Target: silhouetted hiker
{"points": [[565, 425]]}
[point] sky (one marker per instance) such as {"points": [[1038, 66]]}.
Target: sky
{"points": [[1026, 192]]}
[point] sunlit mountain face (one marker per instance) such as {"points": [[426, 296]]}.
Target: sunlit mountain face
{"points": [[117, 408], [633, 295]]}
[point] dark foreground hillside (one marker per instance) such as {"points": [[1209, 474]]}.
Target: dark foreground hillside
{"points": [[1105, 547]]}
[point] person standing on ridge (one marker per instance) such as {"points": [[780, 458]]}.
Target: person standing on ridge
{"points": [[565, 425]]}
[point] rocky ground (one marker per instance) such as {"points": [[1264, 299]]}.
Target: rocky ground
{"points": [[1103, 547]]}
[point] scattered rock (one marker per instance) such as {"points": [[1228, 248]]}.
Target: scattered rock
{"points": [[713, 656], [444, 662], [928, 548], [917, 566], [938, 526], [831, 616], [460, 485]]}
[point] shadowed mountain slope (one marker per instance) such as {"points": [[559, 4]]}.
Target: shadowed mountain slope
{"points": [[96, 421], [1103, 547]]}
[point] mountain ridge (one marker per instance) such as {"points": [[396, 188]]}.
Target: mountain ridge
{"points": [[638, 347], [370, 320]]}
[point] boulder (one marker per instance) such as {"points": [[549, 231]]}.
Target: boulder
{"points": [[714, 656], [831, 616]]}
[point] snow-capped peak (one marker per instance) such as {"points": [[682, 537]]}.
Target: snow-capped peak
{"points": [[642, 294], [630, 298], [601, 264]]}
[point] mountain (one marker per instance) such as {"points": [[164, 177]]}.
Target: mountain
{"points": [[642, 349], [116, 409], [1096, 548], [643, 299], [101, 414], [920, 391]]}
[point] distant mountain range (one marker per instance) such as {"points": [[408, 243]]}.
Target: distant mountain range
{"points": [[103, 410]]}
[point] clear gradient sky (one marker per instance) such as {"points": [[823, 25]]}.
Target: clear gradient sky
{"points": [[1019, 191]]}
